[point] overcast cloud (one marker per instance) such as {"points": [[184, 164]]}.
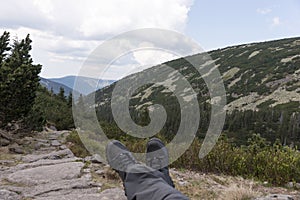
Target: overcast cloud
{"points": [[65, 32]]}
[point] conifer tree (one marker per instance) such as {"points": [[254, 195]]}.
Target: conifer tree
{"points": [[61, 94], [70, 99], [4, 48], [19, 78]]}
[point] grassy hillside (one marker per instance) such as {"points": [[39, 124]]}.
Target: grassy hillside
{"points": [[262, 84]]}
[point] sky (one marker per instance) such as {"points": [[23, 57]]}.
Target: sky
{"points": [[66, 32]]}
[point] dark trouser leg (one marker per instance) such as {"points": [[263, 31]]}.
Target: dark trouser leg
{"points": [[149, 186], [166, 176]]}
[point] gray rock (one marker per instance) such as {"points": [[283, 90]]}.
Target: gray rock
{"points": [[67, 153], [276, 197], [41, 140], [96, 158], [22, 141], [6, 162], [63, 186], [69, 194], [47, 149], [182, 183], [55, 143], [46, 174], [15, 148], [44, 162], [100, 172], [8, 195], [114, 193], [62, 147], [39, 145], [108, 194], [297, 186], [289, 185], [52, 128], [53, 137], [4, 142], [86, 170]]}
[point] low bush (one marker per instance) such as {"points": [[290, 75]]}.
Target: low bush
{"points": [[260, 160], [274, 163], [49, 108], [77, 147]]}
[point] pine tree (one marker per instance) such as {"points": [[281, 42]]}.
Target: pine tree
{"points": [[61, 94], [19, 79], [70, 99], [4, 48]]}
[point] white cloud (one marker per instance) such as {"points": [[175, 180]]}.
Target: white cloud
{"points": [[90, 19], [263, 11], [276, 21], [135, 51], [150, 57], [63, 30]]}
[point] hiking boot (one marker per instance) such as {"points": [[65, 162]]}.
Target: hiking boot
{"points": [[119, 158], [158, 160]]}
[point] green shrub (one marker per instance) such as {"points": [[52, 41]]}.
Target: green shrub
{"points": [[50, 108], [259, 159], [275, 163], [77, 146]]}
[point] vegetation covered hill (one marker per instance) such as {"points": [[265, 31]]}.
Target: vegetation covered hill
{"points": [[54, 86], [262, 82], [86, 85]]}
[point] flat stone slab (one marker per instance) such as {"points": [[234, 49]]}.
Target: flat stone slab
{"points": [[108, 194], [96, 158], [46, 174], [42, 140], [276, 197], [52, 172], [44, 162], [8, 195], [53, 137], [66, 153], [60, 187], [66, 193], [55, 143]]}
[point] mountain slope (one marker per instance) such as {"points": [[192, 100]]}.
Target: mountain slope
{"points": [[261, 74], [262, 82], [51, 85]]}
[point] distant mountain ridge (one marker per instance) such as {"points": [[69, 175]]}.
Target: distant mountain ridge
{"points": [[86, 85], [54, 86]]}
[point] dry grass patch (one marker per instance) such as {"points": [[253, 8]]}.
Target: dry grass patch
{"points": [[239, 192]]}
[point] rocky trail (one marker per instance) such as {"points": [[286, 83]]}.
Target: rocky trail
{"points": [[51, 172], [42, 167]]}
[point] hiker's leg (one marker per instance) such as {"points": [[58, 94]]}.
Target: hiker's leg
{"points": [[140, 181], [149, 185]]}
